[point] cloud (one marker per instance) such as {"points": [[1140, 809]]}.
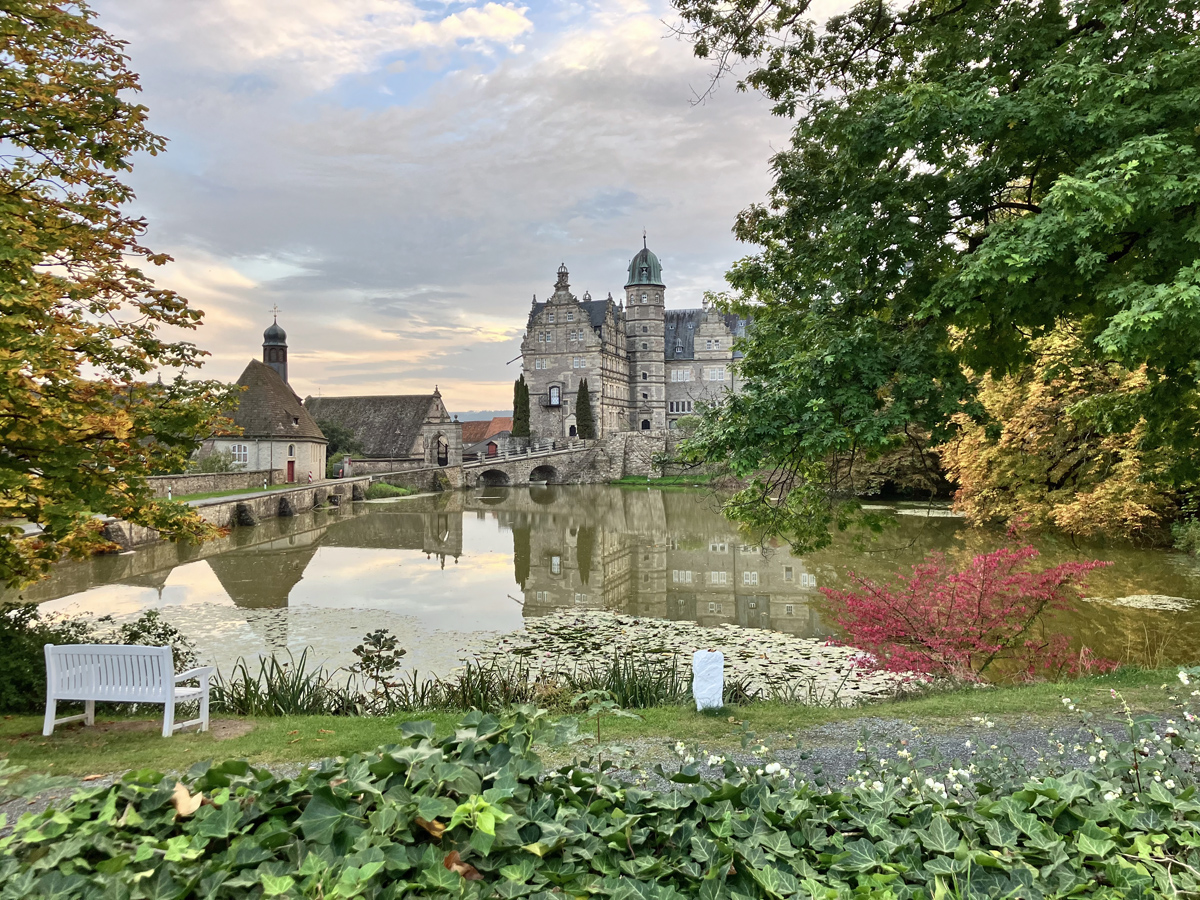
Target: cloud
{"points": [[404, 237], [309, 43]]}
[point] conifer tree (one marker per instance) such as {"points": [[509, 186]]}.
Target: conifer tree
{"points": [[585, 422], [520, 408]]}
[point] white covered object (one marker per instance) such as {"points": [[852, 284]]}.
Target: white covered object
{"points": [[708, 679], [120, 673]]}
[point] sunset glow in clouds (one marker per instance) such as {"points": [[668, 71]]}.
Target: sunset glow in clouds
{"points": [[401, 178]]}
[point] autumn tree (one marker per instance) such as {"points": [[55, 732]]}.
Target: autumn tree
{"points": [[1047, 459], [963, 177], [81, 424]]}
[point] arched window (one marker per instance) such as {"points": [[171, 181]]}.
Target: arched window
{"points": [[291, 451], [555, 395], [572, 431], [645, 424]]}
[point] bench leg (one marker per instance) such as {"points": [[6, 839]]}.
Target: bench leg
{"points": [[89, 712], [169, 717], [48, 725], [204, 709]]}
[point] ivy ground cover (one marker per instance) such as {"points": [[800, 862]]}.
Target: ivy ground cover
{"points": [[476, 814]]}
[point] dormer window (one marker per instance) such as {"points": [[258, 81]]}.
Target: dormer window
{"points": [[550, 318], [295, 420]]}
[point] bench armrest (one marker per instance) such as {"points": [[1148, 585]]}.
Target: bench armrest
{"points": [[199, 672]]}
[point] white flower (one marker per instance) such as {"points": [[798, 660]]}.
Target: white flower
{"points": [[773, 768], [1183, 678], [1103, 755], [967, 744], [1169, 783], [1110, 796], [689, 759], [877, 785]]}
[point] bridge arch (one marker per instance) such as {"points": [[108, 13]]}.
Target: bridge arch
{"points": [[493, 478], [545, 473]]}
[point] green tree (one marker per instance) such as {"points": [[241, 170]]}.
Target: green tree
{"points": [[585, 421], [341, 439], [520, 408], [79, 320], [963, 178]]}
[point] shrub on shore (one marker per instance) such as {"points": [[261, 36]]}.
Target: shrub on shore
{"points": [[381, 490]]}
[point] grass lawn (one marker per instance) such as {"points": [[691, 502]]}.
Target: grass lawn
{"points": [[116, 745], [259, 490]]}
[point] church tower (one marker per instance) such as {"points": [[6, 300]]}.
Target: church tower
{"points": [[644, 335], [275, 349]]}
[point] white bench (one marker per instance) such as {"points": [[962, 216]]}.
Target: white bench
{"points": [[120, 673]]}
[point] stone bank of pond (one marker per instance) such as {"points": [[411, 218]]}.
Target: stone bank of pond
{"points": [[452, 572]]}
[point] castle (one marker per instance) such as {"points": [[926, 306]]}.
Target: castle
{"points": [[646, 366]]}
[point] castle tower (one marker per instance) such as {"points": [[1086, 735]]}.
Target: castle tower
{"points": [[644, 335], [275, 349]]}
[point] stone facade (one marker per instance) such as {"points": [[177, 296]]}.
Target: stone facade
{"points": [[646, 366]]}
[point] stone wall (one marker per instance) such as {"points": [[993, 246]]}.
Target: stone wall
{"points": [[207, 483], [430, 478]]}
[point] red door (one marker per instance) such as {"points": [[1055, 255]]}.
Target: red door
{"points": [[291, 470]]}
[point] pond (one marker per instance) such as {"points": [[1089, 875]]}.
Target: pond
{"points": [[448, 572]]}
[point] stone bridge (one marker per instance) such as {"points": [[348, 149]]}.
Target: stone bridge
{"points": [[581, 462]]}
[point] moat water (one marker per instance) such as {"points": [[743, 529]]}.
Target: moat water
{"points": [[447, 572]]}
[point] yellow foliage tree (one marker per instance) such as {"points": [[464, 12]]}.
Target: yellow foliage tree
{"points": [[1051, 457]]}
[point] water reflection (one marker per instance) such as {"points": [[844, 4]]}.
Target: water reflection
{"points": [[438, 568]]}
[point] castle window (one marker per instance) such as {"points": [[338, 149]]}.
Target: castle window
{"points": [[789, 610], [643, 298], [555, 395], [550, 318], [295, 420], [291, 451], [556, 565], [645, 376], [789, 573], [570, 315], [645, 424], [240, 453], [549, 337], [645, 329], [645, 396], [645, 346], [716, 373]]}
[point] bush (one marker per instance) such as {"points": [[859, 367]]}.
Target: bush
{"points": [[1186, 535], [959, 624], [380, 490], [217, 461], [475, 813], [24, 631]]}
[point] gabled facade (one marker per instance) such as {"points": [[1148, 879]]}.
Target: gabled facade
{"points": [[646, 366], [412, 429]]}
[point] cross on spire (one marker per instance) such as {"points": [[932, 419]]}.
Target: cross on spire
{"points": [[275, 311], [644, 246]]}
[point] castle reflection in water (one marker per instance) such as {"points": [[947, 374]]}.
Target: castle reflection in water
{"points": [[648, 552], [666, 554]]}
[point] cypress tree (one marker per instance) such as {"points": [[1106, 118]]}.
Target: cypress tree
{"points": [[585, 422], [520, 408]]}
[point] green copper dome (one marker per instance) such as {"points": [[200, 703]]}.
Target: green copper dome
{"points": [[645, 269]]}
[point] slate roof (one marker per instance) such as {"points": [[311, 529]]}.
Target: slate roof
{"points": [[267, 407], [680, 331], [474, 432], [385, 426], [594, 309]]}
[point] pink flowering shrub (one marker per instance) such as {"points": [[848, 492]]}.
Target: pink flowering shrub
{"points": [[960, 624]]}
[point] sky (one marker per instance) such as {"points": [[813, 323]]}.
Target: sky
{"points": [[400, 178]]}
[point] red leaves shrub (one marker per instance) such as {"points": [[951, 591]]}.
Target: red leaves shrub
{"points": [[960, 624]]}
